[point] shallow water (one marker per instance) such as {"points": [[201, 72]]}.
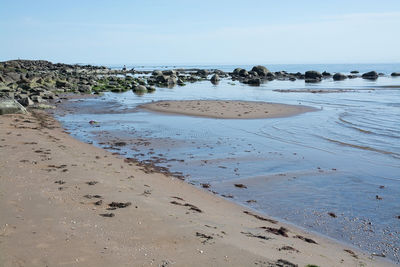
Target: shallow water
{"points": [[337, 159]]}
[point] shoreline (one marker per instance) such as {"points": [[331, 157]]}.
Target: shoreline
{"points": [[226, 109], [220, 234]]}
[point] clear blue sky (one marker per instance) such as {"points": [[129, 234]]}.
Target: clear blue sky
{"points": [[201, 32]]}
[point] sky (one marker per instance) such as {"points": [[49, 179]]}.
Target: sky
{"points": [[201, 32]]}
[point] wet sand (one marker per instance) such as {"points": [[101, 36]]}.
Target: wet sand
{"points": [[64, 202], [227, 109]]}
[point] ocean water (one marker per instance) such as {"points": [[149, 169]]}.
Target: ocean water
{"points": [[343, 158]]}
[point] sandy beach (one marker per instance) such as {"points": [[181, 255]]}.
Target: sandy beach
{"points": [[67, 203], [227, 109]]}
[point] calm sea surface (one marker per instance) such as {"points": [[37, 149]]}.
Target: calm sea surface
{"points": [[343, 158]]}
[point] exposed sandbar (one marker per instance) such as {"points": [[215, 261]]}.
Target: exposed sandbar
{"points": [[222, 109]]}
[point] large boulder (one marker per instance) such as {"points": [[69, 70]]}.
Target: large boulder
{"points": [[312, 76], [215, 79], [26, 101], [140, 89], [395, 74], [261, 70], [254, 82], [237, 71], [372, 75], [339, 77], [11, 106]]}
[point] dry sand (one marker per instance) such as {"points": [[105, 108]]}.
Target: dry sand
{"points": [[227, 109], [50, 182]]}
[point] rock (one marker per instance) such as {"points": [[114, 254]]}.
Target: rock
{"points": [[169, 72], [202, 73], [339, 77], [157, 73], [261, 70], [372, 75], [326, 74], [150, 88], [243, 73], [215, 79], [140, 89], [171, 81], [395, 74], [11, 106], [312, 76], [37, 99], [237, 71], [354, 72], [26, 101], [255, 81], [85, 88], [180, 82]]}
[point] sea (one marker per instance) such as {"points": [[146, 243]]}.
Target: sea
{"points": [[334, 171]]}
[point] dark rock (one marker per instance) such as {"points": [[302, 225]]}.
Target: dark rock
{"points": [[26, 101], [215, 79], [261, 70], [339, 77], [240, 185], [237, 71], [255, 81], [326, 74], [139, 89], [243, 73], [372, 75], [312, 74], [157, 73], [395, 74], [354, 72]]}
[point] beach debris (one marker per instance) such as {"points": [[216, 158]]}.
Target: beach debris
{"points": [[288, 248], [333, 215], [93, 122], [227, 196], [107, 215], [98, 203], [240, 186], [354, 255], [179, 198], [378, 254], [284, 263], [378, 197], [92, 196], [251, 201], [276, 231], [206, 237], [119, 205], [120, 143], [260, 217], [381, 186], [92, 183], [59, 182], [191, 207], [256, 236], [206, 185], [306, 239]]}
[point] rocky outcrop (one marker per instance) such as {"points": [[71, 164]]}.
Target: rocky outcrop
{"points": [[339, 77], [372, 75], [395, 74], [312, 76]]}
